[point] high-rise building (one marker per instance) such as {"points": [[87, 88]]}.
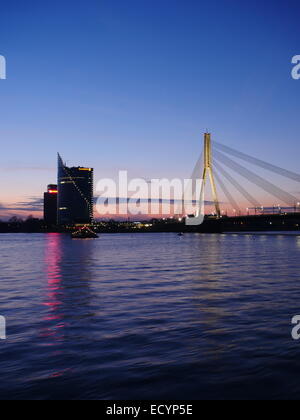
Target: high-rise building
{"points": [[50, 205], [75, 194]]}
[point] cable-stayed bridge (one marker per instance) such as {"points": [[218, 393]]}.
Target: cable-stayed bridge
{"points": [[224, 168], [245, 190]]}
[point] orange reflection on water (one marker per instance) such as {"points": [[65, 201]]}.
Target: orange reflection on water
{"points": [[52, 263], [53, 260]]}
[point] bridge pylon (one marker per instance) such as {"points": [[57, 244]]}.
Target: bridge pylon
{"points": [[209, 173]]}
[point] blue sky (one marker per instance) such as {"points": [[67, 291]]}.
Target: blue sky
{"points": [[133, 85]]}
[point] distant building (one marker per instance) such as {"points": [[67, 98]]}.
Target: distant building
{"points": [[75, 194], [50, 205]]}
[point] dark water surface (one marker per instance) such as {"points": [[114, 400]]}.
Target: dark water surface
{"points": [[149, 316]]}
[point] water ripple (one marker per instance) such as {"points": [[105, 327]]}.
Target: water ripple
{"points": [[149, 316]]}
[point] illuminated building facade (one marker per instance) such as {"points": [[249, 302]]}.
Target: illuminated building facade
{"points": [[50, 205], [75, 194]]}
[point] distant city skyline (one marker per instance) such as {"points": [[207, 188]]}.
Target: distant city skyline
{"points": [[133, 86]]}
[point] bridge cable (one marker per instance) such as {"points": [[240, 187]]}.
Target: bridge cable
{"points": [[227, 193], [235, 183], [190, 190], [256, 179], [258, 162]]}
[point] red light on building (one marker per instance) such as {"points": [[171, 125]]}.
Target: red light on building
{"points": [[52, 189], [50, 205]]}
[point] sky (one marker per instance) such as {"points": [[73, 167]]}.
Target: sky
{"points": [[133, 85]]}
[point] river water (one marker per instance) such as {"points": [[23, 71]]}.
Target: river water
{"points": [[149, 316]]}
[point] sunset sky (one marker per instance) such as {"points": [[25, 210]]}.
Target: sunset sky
{"points": [[133, 85]]}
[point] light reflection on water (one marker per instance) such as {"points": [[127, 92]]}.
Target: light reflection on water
{"points": [[149, 316]]}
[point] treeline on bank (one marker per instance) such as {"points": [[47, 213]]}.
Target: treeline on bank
{"points": [[260, 223], [34, 225]]}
